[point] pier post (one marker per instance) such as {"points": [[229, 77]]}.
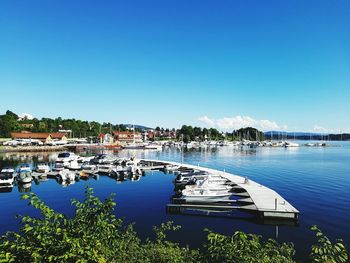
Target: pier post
{"points": [[275, 203]]}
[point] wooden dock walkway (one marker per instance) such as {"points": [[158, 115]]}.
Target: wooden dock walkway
{"points": [[258, 198]]}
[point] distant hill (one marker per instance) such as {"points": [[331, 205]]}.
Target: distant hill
{"points": [[306, 135], [140, 127], [297, 134]]}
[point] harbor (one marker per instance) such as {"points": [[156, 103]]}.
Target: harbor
{"points": [[175, 131], [253, 197], [285, 172]]}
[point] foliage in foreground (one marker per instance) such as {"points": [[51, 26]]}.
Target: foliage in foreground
{"points": [[325, 251], [94, 234]]}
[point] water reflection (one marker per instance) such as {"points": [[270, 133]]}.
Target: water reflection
{"points": [[24, 188], [6, 189]]}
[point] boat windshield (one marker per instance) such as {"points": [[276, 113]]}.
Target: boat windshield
{"points": [[63, 155], [5, 175], [24, 175]]}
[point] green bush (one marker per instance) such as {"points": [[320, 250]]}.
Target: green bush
{"points": [[325, 251], [241, 247]]}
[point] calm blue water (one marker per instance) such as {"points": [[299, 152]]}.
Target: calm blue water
{"points": [[315, 180]]}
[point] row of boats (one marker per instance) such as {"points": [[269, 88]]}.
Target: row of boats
{"points": [[244, 143], [201, 186], [70, 167], [191, 185]]}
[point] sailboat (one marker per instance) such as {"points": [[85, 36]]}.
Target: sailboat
{"points": [[291, 144]]}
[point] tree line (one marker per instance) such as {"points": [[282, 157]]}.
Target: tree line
{"points": [[188, 133], [10, 122]]}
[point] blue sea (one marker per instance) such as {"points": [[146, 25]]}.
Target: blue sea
{"points": [[315, 180]]}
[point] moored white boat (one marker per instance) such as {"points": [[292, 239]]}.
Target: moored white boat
{"points": [[203, 194], [132, 166], [208, 184], [171, 167], [24, 177], [105, 168], [117, 170], [59, 166], [83, 159], [66, 157], [66, 175], [183, 179], [88, 166], [73, 165], [43, 168], [104, 159], [7, 178], [291, 144]]}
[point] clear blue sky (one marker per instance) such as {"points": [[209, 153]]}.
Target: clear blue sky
{"points": [[170, 62]]}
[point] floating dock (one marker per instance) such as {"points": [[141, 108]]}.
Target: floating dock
{"points": [[254, 197]]}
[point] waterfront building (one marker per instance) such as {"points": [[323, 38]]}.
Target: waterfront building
{"points": [[44, 137], [127, 137]]}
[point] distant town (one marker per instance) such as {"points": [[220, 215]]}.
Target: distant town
{"points": [[17, 130]]}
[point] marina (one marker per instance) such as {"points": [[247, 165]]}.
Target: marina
{"points": [[170, 131], [257, 197], [213, 185], [288, 172]]}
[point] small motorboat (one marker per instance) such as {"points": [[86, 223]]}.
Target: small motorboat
{"points": [[105, 168], [171, 167], [7, 177], [84, 175], [88, 166], [66, 157], [132, 166], [104, 159], [73, 165], [185, 178], [59, 166], [209, 184], [43, 168], [291, 144], [66, 175], [24, 177], [204, 194], [84, 159], [117, 170]]}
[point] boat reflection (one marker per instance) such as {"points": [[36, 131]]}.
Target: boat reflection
{"points": [[6, 189], [24, 188]]}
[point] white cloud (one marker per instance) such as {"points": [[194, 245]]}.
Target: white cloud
{"points": [[26, 115], [237, 122], [206, 120]]}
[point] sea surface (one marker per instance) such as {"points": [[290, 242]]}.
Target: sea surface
{"points": [[315, 180]]}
